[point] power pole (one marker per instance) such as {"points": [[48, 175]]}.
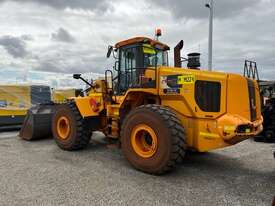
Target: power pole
{"points": [[210, 5]]}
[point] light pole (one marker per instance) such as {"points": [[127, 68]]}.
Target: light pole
{"points": [[210, 5]]}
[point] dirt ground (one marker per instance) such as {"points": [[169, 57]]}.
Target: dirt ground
{"points": [[39, 173]]}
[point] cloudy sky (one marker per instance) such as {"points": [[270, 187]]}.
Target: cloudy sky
{"points": [[48, 40]]}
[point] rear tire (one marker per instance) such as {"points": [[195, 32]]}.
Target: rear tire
{"points": [[167, 140], [69, 129]]}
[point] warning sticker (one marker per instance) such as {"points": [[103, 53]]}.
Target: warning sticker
{"points": [[186, 79]]}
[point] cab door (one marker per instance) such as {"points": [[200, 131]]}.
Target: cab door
{"points": [[127, 63]]}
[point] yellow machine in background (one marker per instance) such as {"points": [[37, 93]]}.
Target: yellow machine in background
{"points": [[62, 95], [157, 112], [15, 100], [14, 103]]}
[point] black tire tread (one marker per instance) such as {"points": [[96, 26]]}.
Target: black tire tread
{"points": [[178, 134], [83, 135]]}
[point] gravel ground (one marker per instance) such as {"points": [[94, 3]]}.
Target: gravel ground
{"points": [[39, 173]]}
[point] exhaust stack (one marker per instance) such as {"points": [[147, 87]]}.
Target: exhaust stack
{"points": [[177, 56]]}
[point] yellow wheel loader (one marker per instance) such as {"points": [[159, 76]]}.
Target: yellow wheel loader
{"points": [[156, 112]]}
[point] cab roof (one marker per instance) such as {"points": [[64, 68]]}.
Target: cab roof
{"points": [[146, 40]]}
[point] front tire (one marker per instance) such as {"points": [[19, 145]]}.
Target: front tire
{"points": [[69, 129], [153, 139]]}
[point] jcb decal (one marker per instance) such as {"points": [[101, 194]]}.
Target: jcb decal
{"points": [[186, 79]]}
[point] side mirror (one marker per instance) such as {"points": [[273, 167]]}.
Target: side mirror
{"points": [[110, 50], [76, 76]]}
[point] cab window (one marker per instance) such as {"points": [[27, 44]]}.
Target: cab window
{"points": [[137, 67], [154, 57]]}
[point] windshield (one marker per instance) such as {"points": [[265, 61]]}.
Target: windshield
{"points": [[154, 57]]}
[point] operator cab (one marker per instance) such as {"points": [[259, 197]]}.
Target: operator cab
{"points": [[137, 61]]}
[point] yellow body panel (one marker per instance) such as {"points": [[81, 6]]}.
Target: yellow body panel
{"points": [[128, 96], [206, 130], [87, 109]]}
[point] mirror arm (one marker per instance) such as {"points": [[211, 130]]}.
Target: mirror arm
{"points": [[84, 80], [183, 59]]}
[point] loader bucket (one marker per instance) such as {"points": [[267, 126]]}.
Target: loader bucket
{"points": [[37, 124]]}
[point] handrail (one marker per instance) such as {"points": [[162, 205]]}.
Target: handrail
{"points": [[251, 70], [106, 79]]}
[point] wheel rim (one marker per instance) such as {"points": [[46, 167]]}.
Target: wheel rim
{"points": [[63, 127], [144, 141]]}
